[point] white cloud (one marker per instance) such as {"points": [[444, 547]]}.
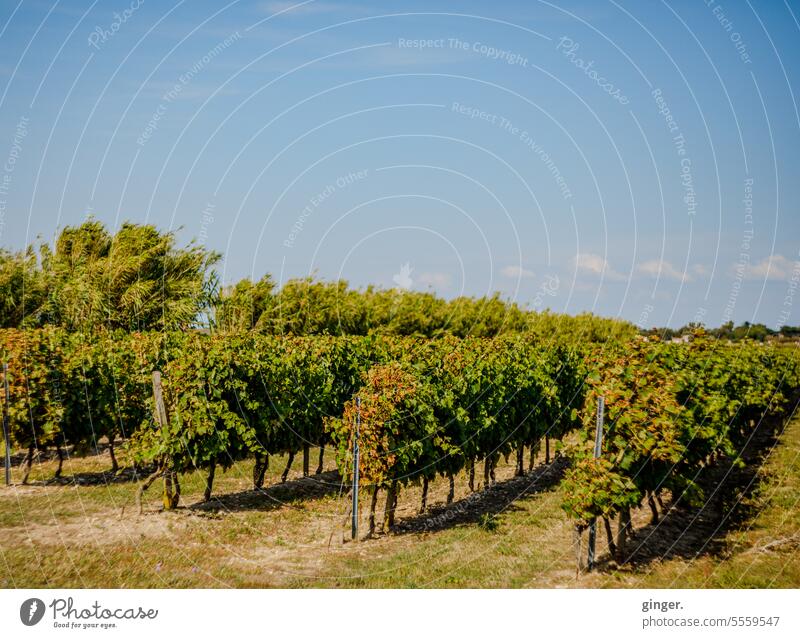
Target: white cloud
{"points": [[516, 271], [588, 262], [435, 279], [662, 268], [595, 265], [774, 267], [700, 270]]}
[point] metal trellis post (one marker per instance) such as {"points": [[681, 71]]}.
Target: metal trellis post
{"points": [[598, 444]]}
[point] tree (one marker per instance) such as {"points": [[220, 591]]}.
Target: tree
{"points": [[241, 306], [136, 279], [23, 289]]}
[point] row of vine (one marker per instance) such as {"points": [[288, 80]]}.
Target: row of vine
{"points": [[427, 408]]}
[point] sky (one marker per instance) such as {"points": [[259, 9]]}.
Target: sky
{"points": [[630, 159]]}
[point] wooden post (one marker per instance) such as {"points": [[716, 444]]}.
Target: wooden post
{"points": [[598, 444], [171, 489], [158, 398], [6, 437], [354, 522]]}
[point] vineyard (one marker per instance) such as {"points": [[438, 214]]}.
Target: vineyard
{"points": [[426, 410], [396, 296]]}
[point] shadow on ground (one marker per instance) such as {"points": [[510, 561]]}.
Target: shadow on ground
{"points": [[99, 477], [123, 475], [276, 495], [691, 532], [481, 507]]}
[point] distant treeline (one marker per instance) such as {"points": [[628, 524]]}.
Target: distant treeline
{"points": [[138, 279], [309, 307], [747, 330]]}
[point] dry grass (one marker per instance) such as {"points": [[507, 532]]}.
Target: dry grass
{"points": [[291, 535]]}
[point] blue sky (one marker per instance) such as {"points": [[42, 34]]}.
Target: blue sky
{"points": [[632, 159]]}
